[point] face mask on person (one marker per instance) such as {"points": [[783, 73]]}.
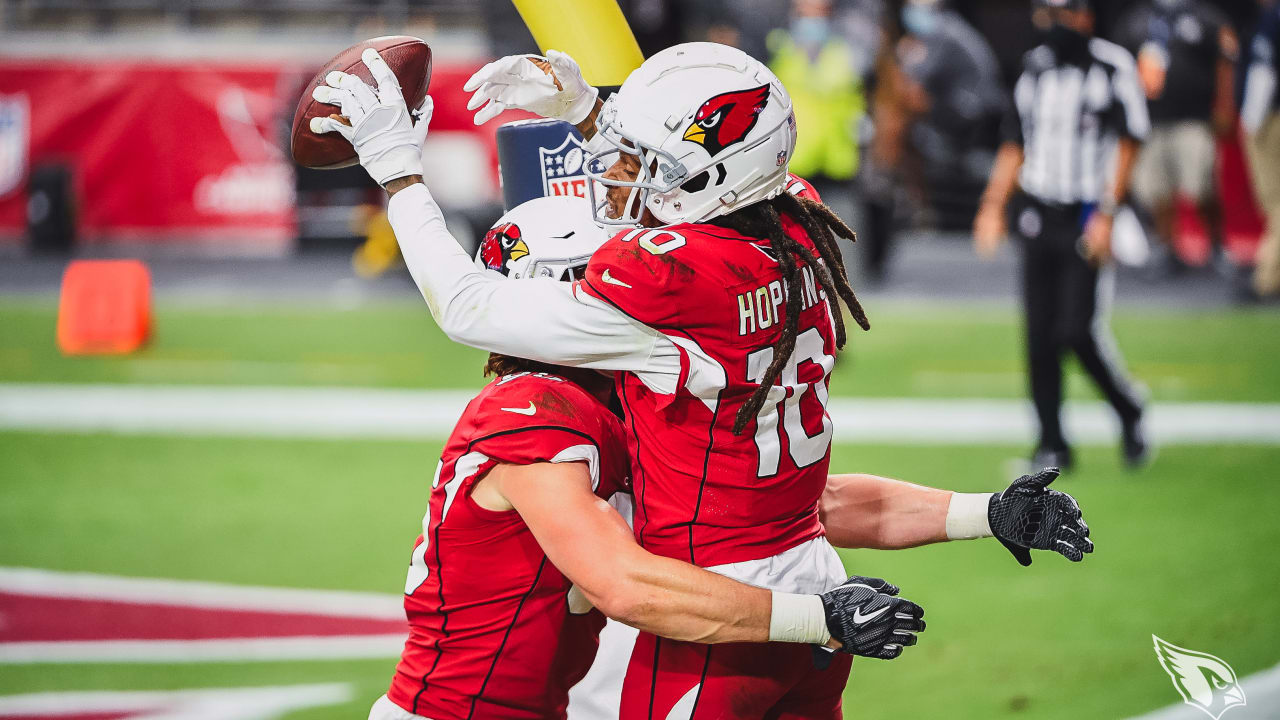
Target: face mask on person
{"points": [[919, 20], [1067, 42], [810, 32]]}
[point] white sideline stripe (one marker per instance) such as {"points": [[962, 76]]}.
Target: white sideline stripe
{"points": [[1261, 694], [198, 594], [210, 410], [336, 647], [220, 703], [326, 412]]}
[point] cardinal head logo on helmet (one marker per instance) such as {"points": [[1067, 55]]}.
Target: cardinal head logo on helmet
{"points": [[727, 118], [1203, 681], [501, 245]]}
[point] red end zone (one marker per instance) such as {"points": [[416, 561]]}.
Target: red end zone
{"points": [[70, 617]]}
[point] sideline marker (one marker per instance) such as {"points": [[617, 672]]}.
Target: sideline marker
{"points": [[105, 307]]}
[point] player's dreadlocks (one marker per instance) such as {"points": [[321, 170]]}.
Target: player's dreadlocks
{"points": [[764, 220]]}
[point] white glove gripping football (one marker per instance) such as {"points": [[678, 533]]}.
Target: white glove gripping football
{"points": [[384, 135], [515, 82]]}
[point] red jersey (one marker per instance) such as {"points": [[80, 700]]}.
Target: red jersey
{"points": [[491, 634], [703, 494]]}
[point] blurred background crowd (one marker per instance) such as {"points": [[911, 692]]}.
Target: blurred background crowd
{"points": [[899, 101]]}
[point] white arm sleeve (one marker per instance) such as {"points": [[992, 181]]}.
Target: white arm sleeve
{"points": [[1133, 99], [1259, 89], [537, 319]]}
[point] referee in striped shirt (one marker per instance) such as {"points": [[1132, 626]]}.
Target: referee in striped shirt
{"points": [[1070, 141]]}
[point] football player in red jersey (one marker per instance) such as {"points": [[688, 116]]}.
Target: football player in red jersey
{"points": [[716, 310], [518, 516], [731, 445]]}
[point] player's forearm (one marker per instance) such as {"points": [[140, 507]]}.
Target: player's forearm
{"points": [[679, 601], [588, 125], [866, 511], [439, 266], [1224, 103], [1126, 158], [1004, 175], [536, 320], [593, 546]]}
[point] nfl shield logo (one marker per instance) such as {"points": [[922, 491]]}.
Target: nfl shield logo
{"points": [[15, 114], [562, 168]]}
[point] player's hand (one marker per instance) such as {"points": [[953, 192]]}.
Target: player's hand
{"points": [[550, 86], [379, 124], [868, 618], [1029, 516], [989, 229], [1097, 239]]}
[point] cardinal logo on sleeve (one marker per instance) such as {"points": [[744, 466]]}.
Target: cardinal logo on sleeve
{"points": [[1203, 680], [727, 118]]}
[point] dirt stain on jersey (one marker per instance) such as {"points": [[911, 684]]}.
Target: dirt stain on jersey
{"points": [[741, 272], [556, 403]]}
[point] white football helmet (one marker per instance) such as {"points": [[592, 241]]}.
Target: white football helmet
{"points": [[547, 237], [713, 130]]}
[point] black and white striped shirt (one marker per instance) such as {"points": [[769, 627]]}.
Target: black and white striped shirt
{"points": [[1067, 116]]}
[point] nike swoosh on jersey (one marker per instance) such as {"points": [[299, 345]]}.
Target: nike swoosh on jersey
{"points": [[608, 278], [859, 618], [523, 411]]}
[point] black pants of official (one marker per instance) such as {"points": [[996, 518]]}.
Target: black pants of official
{"points": [[1065, 312]]}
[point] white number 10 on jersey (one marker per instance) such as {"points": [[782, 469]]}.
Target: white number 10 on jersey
{"points": [[804, 449]]}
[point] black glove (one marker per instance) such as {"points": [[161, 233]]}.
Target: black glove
{"points": [[868, 619], [1029, 516]]}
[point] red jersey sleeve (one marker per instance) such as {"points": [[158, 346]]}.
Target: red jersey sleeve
{"points": [[641, 272], [539, 418]]}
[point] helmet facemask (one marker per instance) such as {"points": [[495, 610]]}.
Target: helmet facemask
{"points": [[660, 172], [564, 269]]}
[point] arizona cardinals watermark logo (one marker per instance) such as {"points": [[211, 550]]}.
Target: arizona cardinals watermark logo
{"points": [[501, 245], [1203, 680], [727, 118]]}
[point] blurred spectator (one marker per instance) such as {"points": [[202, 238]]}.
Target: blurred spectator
{"points": [[819, 67], [1071, 141], [952, 95], [936, 107], [1260, 118], [744, 24], [505, 29], [1186, 52], [657, 24]]}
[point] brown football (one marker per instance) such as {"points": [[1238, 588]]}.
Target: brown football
{"points": [[408, 57]]}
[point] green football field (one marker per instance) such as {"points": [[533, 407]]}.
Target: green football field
{"points": [[1184, 546]]}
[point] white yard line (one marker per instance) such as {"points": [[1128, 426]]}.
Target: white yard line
{"points": [[330, 412], [256, 703], [198, 594]]}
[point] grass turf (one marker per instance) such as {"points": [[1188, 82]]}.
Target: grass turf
{"points": [[925, 351], [1177, 556]]}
